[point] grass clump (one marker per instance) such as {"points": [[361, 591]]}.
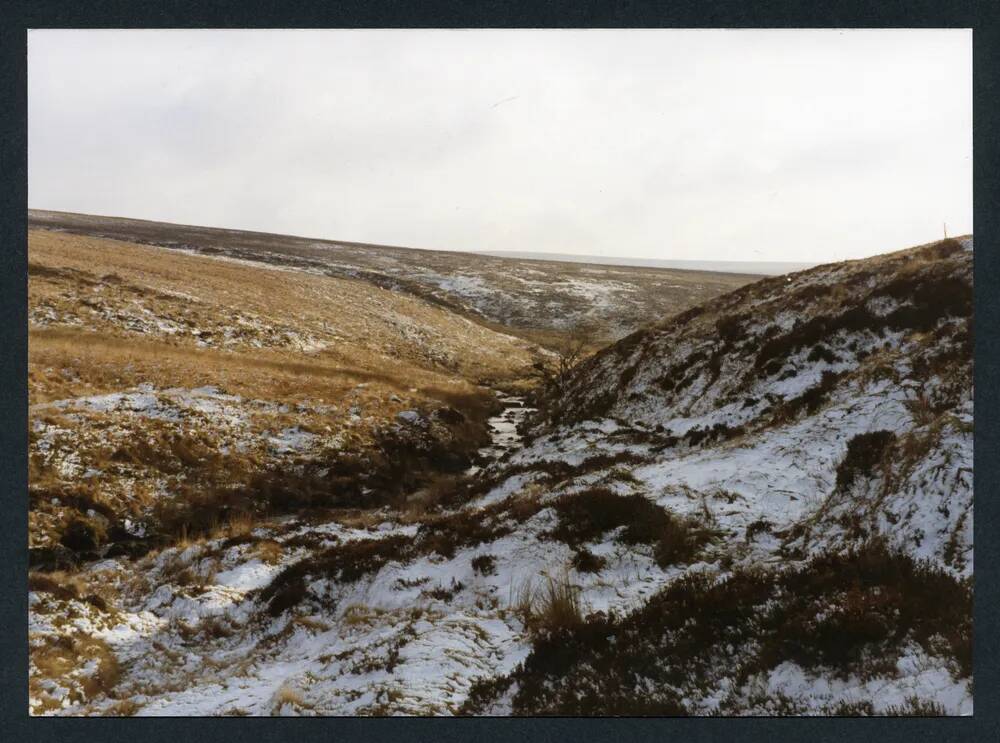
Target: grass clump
{"points": [[555, 606], [59, 584]]}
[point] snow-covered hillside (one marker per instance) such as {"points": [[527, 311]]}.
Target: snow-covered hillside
{"points": [[761, 506]]}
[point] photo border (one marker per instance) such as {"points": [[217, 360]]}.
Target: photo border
{"points": [[18, 17]]}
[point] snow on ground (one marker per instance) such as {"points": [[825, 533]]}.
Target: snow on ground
{"points": [[918, 676], [419, 626]]}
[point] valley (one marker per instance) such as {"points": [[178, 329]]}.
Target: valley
{"points": [[279, 476]]}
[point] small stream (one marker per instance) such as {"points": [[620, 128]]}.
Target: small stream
{"points": [[503, 432]]}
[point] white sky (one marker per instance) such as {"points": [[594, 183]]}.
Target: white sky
{"points": [[672, 144]]}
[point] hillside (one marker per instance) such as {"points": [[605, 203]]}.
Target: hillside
{"points": [[156, 374], [809, 439], [528, 295], [762, 505]]}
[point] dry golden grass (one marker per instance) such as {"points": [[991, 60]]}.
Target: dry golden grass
{"points": [[269, 551], [313, 625], [361, 332], [372, 351], [122, 708], [101, 363], [287, 694], [240, 524], [63, 658], [555, 605], [359, 614]]}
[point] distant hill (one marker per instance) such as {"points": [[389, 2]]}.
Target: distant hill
{"points": [[526, 295], [762, 268]]}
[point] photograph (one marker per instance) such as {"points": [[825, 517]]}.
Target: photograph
{"points": [[499, 372]]}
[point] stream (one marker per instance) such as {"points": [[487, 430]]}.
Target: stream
{"points": [[504, 436]]}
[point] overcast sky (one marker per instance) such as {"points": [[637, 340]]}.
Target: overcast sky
{"points": [[725, 145]]}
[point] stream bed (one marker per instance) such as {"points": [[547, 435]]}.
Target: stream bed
{"points": [[504, 435]]}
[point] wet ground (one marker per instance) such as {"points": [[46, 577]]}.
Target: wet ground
{"points": [[504, 433]]}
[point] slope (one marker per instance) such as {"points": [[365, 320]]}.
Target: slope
{"points": [[527, 295], [760, 506]]}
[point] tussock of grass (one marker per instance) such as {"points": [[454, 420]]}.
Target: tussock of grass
{"points": [[553, 606], [122, 708], [287, 695]]}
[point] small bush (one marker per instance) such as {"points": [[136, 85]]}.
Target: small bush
{"points": [[864, 452], [811, 400], [588, 515], [83, 535], [760, 526], [729, 329], [484, 564], [441, 593], [718, 432], [585, 561], [822, 353]]}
